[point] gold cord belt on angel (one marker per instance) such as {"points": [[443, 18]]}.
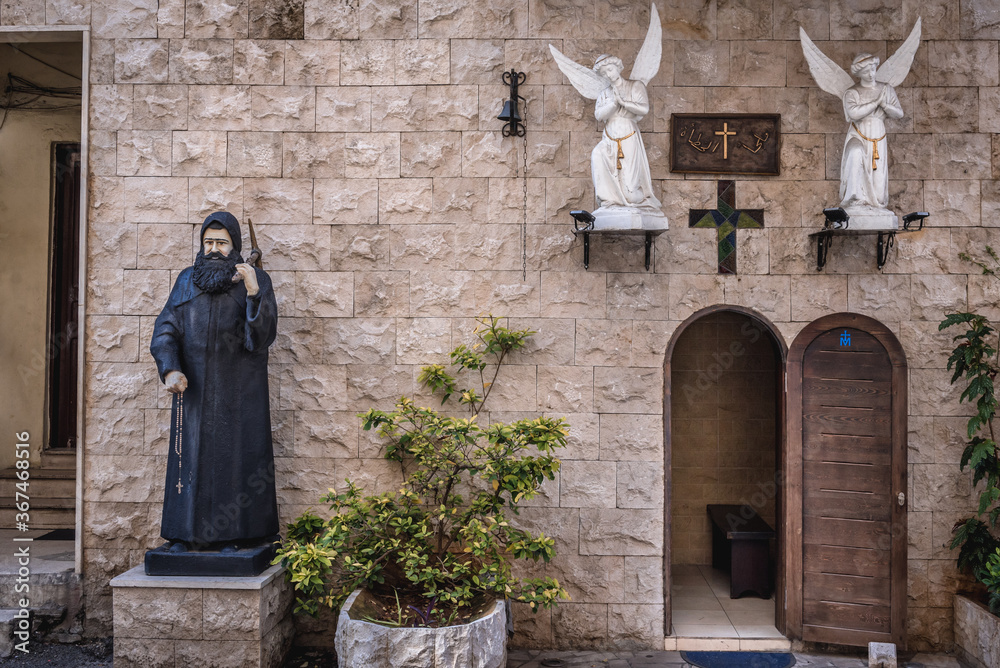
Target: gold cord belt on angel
{"points": [[874, 144], [621, 154]]}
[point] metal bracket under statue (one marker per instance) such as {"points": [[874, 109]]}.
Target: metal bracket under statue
{"points": [[838, 224], [583, 225]]}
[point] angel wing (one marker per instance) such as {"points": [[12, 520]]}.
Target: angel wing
{"points": [[829, 76], [647, 62], [586, 81], [895, 69]]}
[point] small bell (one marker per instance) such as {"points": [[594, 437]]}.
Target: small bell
{"points": [[506, 115]]}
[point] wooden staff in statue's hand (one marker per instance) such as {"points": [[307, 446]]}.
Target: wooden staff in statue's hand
{"points": [[244, 271]]}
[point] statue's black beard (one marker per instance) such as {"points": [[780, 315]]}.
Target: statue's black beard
{"points": [[213, 273]]}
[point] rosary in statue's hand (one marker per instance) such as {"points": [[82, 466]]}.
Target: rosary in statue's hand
{"points": [[175, 382]]}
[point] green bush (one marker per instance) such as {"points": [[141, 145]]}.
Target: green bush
{"points": [[446, 534], [974, 362]]}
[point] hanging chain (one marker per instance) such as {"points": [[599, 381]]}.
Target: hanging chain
{"points": [[524, 207]]}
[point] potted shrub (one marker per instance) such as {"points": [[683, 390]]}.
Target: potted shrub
{"points": [[420, 571], [974, 362]]}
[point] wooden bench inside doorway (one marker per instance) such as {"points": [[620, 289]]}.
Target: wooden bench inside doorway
{"points": [[741, 544]]}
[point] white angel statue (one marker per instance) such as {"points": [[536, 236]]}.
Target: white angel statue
{"points": [[618, 163], [864, 178]]}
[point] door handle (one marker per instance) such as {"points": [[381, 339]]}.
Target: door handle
{"points": [[901, 498]]}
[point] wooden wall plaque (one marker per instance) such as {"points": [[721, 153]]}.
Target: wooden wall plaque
{"points": [[725, 144]]}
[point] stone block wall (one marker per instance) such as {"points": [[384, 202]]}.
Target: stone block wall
{"points": [[361, 139]]}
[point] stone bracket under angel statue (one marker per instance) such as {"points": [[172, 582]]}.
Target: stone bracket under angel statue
{"points": [[864, 177], [619, 166]]}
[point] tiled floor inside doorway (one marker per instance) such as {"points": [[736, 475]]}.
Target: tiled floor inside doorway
{"points": [[705, 618]]}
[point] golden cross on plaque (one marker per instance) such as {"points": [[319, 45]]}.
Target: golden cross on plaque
{"points": [[726, 134]]}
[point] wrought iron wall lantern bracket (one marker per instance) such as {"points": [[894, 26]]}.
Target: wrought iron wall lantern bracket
{"points": [[583, 225], [838, 224]]}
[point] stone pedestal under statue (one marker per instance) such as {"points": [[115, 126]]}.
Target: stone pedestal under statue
{"points": [[202, 621]]}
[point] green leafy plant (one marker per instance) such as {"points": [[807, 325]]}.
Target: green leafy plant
{"points": [[445, 537], [989, 575], [974, 362]]}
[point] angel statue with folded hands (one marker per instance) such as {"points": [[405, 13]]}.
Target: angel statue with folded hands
{"points": [[864, 178], [618, 163]]}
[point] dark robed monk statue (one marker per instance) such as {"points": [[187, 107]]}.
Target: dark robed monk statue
{"points": [[210, 344]]}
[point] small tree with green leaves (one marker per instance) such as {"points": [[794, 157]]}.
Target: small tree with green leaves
{"points": [[974, 362], [446, 535]]}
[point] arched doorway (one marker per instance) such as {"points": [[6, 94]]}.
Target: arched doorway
{"points": [[724, 441], [845, 564]]}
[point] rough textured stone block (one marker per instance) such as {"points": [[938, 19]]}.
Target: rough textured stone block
{"points": [[430, 154], [312, 155], [701, 63], [627, 390], [405, 202], [421, 246], [476, 61], [259, 62], [421, 341], [324, 20], [437, 293], [958, 63], [201, 61], [460, 200], [359, 247], [219, 108], [587, 485], [485, 247], [486, 154], [382, 293], [289, 108], [626, 532], [141, 61], [324, 294], [398, 108], [295, 247], [372, 155], [422, 61], [576, 623], [160, 107], [205, 19], [360, 341], [635, 627], [199, 154], [277, 19], [156, 200], [343, 108], [278, 201], [507, 292], [574, 296], [206, 196], [144, 153], [367, 63], [326, 434], [313, 387], [631, 437], [640, 485], [111, 107], [603, 342], [345, 201]]}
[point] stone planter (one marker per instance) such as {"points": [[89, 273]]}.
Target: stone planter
{"points": [[977, 633], [481, 643]]}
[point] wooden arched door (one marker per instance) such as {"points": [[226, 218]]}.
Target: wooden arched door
{"points": [[847, 439]]}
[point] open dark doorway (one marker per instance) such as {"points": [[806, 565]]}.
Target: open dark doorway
{"points": [[724, 439]]}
